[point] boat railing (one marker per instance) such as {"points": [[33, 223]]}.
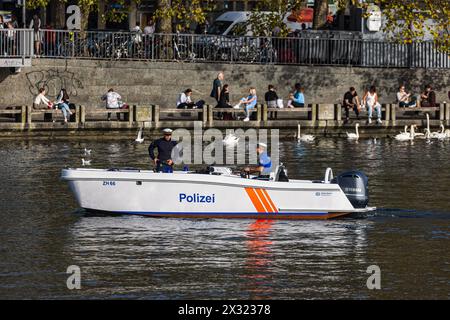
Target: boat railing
{"points": [[328, 175]]}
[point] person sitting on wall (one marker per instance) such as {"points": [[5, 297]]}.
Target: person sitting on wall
{"points": [[185, 101], [351, 101], [224, 102], [428, 98], [405, 99], [42, 102], [271, 98], [62, 103], [113, 101], [299, 97]]}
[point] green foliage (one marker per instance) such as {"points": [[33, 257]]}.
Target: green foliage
{"points": [[88, 6], [185, 13], [407, 20], [269, 14]]}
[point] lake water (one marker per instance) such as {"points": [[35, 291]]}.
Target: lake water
{"points": [[42, 231]]}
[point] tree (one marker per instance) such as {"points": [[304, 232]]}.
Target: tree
{"points": [[408, 20], [320, 14], [268, 16], [115, 14], [184, 13]]}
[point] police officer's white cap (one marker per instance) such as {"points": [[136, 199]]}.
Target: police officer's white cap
{"points": [[167, 130], [262, 145]]}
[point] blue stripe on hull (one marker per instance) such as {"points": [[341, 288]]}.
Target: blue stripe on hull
{"points": [[271, 215]]}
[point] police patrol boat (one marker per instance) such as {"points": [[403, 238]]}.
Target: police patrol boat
{"points": [[217, 193]]}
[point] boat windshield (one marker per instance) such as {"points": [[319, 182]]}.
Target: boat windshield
{"points": [[219, 27]]}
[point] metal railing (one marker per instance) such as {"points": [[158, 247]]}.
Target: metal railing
{"points": [[304, 50], [16, 43]]}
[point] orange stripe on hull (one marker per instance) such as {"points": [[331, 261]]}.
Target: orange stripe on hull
{"points": [[254, 198], [264, 201], [274, 208]]}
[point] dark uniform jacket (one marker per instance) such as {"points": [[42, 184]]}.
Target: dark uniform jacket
{"points": [[164, 149]]}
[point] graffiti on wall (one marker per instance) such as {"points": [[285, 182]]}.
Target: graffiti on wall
{"points": [[53, 81]]}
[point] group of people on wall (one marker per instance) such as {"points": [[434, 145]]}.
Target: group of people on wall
{"points": [[220, 92], [370, 101]]}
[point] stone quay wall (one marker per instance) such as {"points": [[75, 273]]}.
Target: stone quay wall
{"points": [[146, 82]]}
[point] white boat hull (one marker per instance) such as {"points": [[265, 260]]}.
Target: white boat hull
{"points": [[182, 194]]}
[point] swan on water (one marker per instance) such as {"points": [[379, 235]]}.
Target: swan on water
{"points": [[87, 151], [406, 136], [85, 162], [352, 135], [305, 137], [439, 134], [140, 136], [230, 140], [447, 133]]}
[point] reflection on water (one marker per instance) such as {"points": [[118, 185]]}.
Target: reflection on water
{"points": [[42, 232]]}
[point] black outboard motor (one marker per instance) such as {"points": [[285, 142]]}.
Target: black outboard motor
{"points": [[355, 186]]}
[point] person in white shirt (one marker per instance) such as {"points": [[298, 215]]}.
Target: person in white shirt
{"points": [[405, 99], [184, 101], [41, 101], [137, 37], [150, 28], [370, 100], [35, 24], [112, 102]]}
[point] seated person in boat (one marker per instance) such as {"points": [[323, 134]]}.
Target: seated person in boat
{"points": [[264, 167], [164, 146]]}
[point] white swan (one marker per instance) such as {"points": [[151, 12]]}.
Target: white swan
{"points": [[406, 136], [230, 140], [85, 162], [447, 133], [87, 151], [439, 134], [353, 135], [305, 137], [140, 136]]}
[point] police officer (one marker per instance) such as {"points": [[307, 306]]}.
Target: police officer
{"points": [[164, 146], [264, 167]]}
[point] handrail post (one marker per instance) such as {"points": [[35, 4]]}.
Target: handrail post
{"points": [[204, 114], [441, 111], [313, 113], [265, 115], [77, 114], [210, 116], [258, 113], [156, 115], [393, 113], [447, 113], [338, 112], [131, 114], [387, 112], [29, 114], [82, 114], [23, 114]]}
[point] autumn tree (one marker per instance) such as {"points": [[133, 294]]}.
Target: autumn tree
{"points": [[320, 14], [268, 16], [114, 14], [408, 20], [183, 13]]}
